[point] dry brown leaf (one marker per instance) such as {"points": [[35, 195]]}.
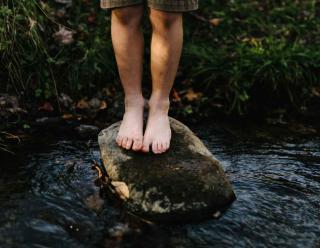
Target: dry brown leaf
{"points": [[67, 116], [316, 92], [192, 96], [64, 36], [83, 104], [97, 168], [215, 21], [103, 104], [175, 95], [46, 107], [121, 189]]}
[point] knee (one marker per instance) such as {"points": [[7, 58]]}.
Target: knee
{"points": [[164, 20], [128, 16]]}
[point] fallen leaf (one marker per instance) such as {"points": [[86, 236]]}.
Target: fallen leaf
{"points": [[46, 107], [64, 36], [175, 95], [97, 168], [67, 116], [215, 21], [83, 104], [316, 92], [103, 104], [192, 96], [121, 189]]}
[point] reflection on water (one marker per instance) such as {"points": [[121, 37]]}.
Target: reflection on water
{"points": [[48, 199]]}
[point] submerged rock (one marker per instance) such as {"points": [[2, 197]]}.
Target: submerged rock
{"points": [[185, 183], [86, 131]]}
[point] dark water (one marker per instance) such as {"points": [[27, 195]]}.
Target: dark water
{"points": [[48, 198]]}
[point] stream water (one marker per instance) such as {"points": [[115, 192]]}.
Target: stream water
{"points": [[48, 198]]}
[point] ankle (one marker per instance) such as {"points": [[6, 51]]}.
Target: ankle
{"points": [[159, 104], [133, 101]]}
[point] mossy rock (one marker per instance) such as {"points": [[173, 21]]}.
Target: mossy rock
{"points": [[185, 183]]}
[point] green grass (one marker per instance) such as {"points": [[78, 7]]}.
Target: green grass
{"points": [[36, 65], [260, 55]]}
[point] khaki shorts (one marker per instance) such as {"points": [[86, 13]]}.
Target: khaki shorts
{"points": [[165, 5]]}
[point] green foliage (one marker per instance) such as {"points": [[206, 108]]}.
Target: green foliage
{"points": [[242, 55], [261, 53], [39, 62]]}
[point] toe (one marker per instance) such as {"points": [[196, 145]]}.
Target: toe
{"points": [[155, 147], [119, 140], [124, 142], [146, 146], [166, 146], [160, 147], [163, 146], [137, 145], [129, 143]]}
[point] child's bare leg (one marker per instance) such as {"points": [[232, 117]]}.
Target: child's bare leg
{"points": [[166, 45], [127, 39]]}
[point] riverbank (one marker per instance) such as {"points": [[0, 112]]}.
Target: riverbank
{"points": [[85, 118], [239, 58]]}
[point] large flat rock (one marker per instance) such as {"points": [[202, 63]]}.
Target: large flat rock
{"points": [[185, 183]]}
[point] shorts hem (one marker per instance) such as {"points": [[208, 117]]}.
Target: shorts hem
{"points": [[171, 8], [109, 5]]}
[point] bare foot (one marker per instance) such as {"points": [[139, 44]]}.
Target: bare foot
{"points": [[130, 134], [158, 132]]}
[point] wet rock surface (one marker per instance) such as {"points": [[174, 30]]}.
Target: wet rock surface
{"points": [[185, 183], [86, 131]]}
